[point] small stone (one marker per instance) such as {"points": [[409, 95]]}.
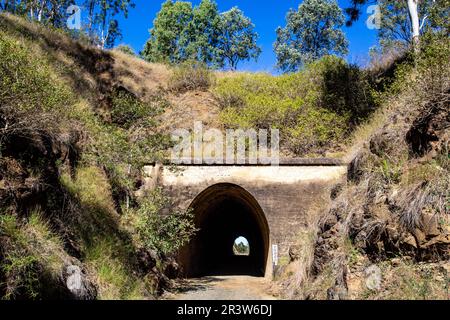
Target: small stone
{"points": [[396, 262]]}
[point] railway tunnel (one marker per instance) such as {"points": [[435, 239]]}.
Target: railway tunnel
{"points": [[224, 212]]}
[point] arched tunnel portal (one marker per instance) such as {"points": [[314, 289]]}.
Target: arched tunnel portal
{"points": [[223, 212]]}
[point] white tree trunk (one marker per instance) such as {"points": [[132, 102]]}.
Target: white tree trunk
{"points": [[415, 24]]}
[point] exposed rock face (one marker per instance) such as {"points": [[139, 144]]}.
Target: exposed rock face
{"points": [[392, 205], [77, 283]]}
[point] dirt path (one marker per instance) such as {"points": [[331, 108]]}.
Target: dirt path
{"points": [[223, 288]]}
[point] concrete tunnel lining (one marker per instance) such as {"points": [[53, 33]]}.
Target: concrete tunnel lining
{"points": [[222, 212]]}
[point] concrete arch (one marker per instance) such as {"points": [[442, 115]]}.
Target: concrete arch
{"points": [[222, 212]]}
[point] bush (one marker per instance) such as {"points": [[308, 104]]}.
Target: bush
{"points": [[127, 110], [190, 76], [25, 82], [314, 109], [164, 233], [31, 100]]}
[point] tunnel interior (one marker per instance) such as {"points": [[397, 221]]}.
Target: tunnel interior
{"points": [[223, 213]]}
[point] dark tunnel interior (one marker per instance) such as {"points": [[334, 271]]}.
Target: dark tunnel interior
{"points": [[222, 213]]}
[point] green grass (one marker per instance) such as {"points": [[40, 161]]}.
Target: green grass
{"points": [[114, 278], [32, 252], [107, 248]]}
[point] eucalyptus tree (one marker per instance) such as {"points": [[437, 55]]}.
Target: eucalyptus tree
{"points": [[311, 32], [405, 20], [238, 38]]}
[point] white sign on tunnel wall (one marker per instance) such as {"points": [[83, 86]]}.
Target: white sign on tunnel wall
{"points": [[275, 254]]}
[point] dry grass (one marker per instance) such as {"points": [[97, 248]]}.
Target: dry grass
{"points": [[140, 77], [405, 280], [190, 76]]}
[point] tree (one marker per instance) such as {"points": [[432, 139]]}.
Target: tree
{"points": [[438, 17], [237, 40], [103, 27], [310, 33], [404, 20], [168, 37], [101, 23], [46, 11], [181, 33], [202, 34]]}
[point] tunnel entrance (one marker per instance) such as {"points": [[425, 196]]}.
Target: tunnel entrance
{"points": [[223, 214]]}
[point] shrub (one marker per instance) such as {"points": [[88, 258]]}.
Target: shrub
{"points": [[128, 110], [314, 109], [25, 82], [163, 233], [31, 99], [190, 76]]}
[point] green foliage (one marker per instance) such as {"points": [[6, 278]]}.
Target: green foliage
{"points": [[100, 22], [203, 34], [164, 233], [128, 111], [31, 99], [112, 148], [25, 82], [395, 23], [310, 33], [395, 20], [20, 267], [390, 171], [31, 252], [114, 277], [314, 109], [241, 249], [432, 63], [107, 249], [190, 76], [129, 142], [346, 89], [237, 40], [438, 15], [181, 33], [46, 11], [168, 35]]}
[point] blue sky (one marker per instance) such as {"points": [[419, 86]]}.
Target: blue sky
{"points": [[267, 15]]}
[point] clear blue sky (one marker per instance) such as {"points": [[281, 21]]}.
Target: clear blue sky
{"points": [[267, 15]]}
